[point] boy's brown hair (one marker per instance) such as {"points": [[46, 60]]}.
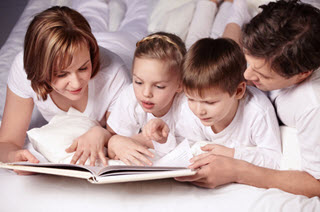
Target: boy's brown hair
{"points": [[52, 38], [213, 63], [286, 34], [162, 46]]}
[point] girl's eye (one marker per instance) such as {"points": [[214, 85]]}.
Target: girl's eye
{"points": [[210, 103], [190, 100], [138, 82]]}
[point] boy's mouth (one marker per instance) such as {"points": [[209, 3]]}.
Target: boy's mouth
{"points": [[147, 105]]}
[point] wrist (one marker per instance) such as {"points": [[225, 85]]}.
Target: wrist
{"points": [[242, 170]]}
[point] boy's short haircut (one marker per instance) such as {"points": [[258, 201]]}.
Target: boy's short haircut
{"points": [[213, 63], [286, 34], [51, 40], [162, 46]]}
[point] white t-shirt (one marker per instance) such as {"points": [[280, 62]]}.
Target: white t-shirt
{"points": [[299, 106], [104, 88], [253, 133], [128, 117]]}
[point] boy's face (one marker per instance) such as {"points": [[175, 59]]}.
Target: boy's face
{"points": [[72, 83], [216, 108], [260, 74], [154, 85]]}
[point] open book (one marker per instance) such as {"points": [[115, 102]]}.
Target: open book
{"points": [[178, 160]]}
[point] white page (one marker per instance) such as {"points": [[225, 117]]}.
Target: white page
{"points": [[178, 157]]}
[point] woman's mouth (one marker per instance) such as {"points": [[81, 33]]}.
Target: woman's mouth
{"points": [[74, 92]]}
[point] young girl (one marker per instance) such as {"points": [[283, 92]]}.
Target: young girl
{"points": [[61, 66], [153, 93]]}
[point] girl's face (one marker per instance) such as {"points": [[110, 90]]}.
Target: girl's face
{"points": [[72, 83], [215, 108], [154, 85]]}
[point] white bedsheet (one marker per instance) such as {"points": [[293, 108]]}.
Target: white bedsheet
{"points": [[54, 193]]}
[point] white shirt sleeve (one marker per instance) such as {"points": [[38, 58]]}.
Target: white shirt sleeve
{"points": [[308, 127], [265, 134], [17, 79], [124, 118]]}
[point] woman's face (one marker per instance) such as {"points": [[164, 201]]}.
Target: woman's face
{"points": [[72, 83]]}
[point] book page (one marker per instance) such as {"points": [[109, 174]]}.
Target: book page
{"points": [[178, 157]]}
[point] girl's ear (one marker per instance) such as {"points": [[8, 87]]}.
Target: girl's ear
{"points": [[241, 89], [180, 87]]}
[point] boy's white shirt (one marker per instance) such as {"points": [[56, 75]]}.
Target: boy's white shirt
{"points": [[254, 132], [104, 88], [299, 107], [128, 117]]}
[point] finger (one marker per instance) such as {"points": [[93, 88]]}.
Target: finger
{"points": [[201, 162], [189, 178], [27, 156], [208, 147], [76, 157], [142, 158], [135, 161], [73, 147], [200, 184], [103, 158], [126, 161], [84, 157], [19, 172], [144, 151], [165, 131], [93, 158], [198, 157]]}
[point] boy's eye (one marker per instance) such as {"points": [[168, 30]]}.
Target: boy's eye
{"points": [[209, 103], [160, 87]]}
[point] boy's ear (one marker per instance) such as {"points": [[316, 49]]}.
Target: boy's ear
{"points": [[180, 87], [241, 89]]}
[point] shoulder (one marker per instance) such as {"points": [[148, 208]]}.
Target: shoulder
{"points": [[257, 100]]}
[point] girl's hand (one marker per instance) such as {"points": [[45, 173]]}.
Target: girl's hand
{"points": [[22, 155], [219, 150], [156, 130], [91, 144], [128, 151]]}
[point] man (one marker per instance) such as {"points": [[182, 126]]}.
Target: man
{"points": [[282, 47]]}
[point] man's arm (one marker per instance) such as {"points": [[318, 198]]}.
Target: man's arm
{"points": [[296, 182]]}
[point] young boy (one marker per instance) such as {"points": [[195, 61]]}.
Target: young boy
{"points": [[282, 48], [236, 122]]}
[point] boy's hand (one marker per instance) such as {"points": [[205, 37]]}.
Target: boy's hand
{"points": [[219, 150], [91, 144], [128, 151], [156, 130]]}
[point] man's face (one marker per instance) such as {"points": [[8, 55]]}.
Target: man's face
{"points": [[263, 77]]}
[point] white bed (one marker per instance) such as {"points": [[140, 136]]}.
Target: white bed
{"points": [[53, 193]]}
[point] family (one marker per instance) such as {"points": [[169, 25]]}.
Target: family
{"points": [[230, 86]]}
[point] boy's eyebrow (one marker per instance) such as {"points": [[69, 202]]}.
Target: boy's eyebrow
{"points": [[153, 82]]}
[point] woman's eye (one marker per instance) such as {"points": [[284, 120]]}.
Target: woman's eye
{"points": [[83, 69], [61, 75]]}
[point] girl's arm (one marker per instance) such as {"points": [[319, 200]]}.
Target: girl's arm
{"points": [[15, 122]]}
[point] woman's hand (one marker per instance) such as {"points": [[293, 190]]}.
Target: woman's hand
{"points": [[22, 155], [156, 130], [90, 145], [128, 151]]}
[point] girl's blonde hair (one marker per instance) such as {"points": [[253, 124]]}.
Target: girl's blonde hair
{"points": [[162, 46], [52, 38]]}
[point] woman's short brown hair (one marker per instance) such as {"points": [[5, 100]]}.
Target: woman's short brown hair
{"points": [[162, 46], [213, 63], [50, 42], [286, 34]]}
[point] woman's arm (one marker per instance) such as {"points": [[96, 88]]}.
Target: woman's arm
{"points": [[15, 122]]}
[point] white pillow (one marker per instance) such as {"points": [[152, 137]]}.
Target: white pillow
{"points": [[172, 16], [52, 139]]}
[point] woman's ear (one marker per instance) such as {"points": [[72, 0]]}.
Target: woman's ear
{"points": [[241, 89]]}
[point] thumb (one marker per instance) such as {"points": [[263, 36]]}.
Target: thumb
{"points": [[73, 147]]}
